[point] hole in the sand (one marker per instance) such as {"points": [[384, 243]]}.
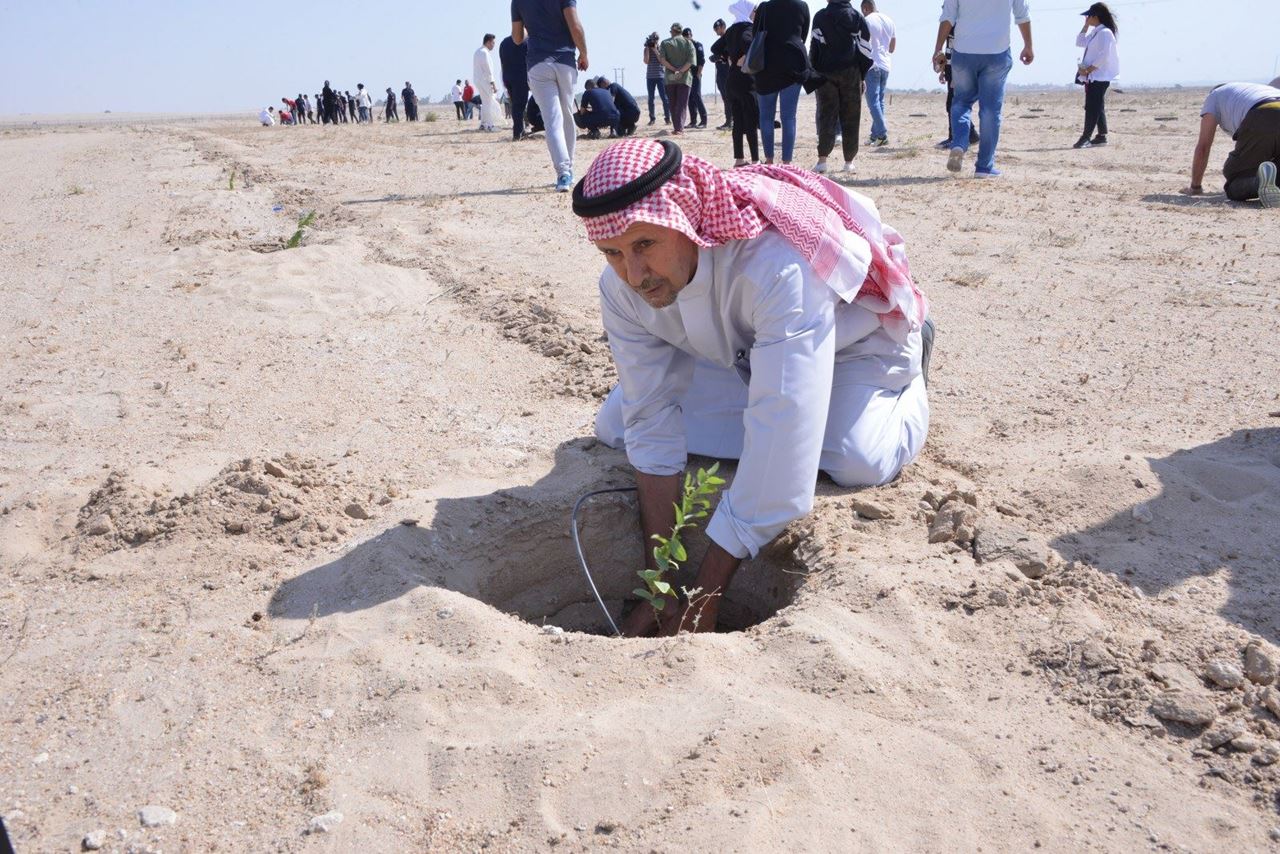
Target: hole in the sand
{"points": [[543, 581]]}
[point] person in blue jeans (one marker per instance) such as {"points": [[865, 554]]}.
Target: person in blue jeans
{"points": [[980, 62], [884, 41], [784, 25]]}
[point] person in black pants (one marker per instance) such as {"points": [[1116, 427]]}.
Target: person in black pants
{"points": [[330, 100], [515, 78], [410, 100], [944, 76], [697, 109], [841, 52], [722, 72], [1098, 67], [628, 107], [739, 91]]}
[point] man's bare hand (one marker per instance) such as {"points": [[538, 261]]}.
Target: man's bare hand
{"points": [[1027, 56], [582, 60]]}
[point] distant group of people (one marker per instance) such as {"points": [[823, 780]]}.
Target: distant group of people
{"points": [[333, 107]]}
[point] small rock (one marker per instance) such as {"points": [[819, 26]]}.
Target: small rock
{"points": [[409, 522], [276, 470], [1221, 734], [1259, 664], [1185, 707], [1275, 831], [1269, 754], [1224, 674], [999, 540], [1143, 514], [326, 713], [1271, 701], [870, 510], [236, 526], [606, 827], [324, 823], [1174, 675], [94, 840], [289, 513], [552, 630], [1245, 743], [356, 511], [99, 525], [156, 816], [444, 613]]}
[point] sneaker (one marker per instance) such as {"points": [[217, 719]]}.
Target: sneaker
{"points": [[820, 167], [944, 145], [564, 183], [1083, 142], [987, 173], [848, 167], [652, 120], [955, 160], [725, 126], [882, 141], [1100, 139], [927, 333], [1268, 192]]}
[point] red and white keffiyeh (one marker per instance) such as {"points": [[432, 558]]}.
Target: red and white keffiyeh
{"points": [[839, 231]]}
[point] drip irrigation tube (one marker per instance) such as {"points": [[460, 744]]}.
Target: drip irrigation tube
{"points": [[582, 559]]}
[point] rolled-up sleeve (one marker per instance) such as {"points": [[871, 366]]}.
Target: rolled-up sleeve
{"points": [[950, 11], [653, 376], [792, 362], [1021, 11]]}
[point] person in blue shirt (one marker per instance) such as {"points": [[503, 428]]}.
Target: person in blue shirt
{"points": [[514, 59], [554, 31], [597, 111], [628, 107]]}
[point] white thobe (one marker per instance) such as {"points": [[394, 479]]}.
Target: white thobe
{"points": [[485, 74], [759, 360]]}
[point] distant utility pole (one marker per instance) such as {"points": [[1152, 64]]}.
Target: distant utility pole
{"points": [[620, 77]]}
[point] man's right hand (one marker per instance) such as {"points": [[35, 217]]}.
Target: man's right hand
{"points": [[582, 60], [1027, 56]]}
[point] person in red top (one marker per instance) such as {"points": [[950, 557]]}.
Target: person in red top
{"points": [[290, 110], [468, 92]]}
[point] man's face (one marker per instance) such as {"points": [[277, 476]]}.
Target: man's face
{"points": [[719, 29], [489, 43], [655, 262]]}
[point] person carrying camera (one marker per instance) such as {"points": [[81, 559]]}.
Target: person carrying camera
{"points": [[655, 78], [1099, 66]]}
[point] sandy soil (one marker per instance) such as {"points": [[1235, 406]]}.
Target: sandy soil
{"points": [[197, 615]]}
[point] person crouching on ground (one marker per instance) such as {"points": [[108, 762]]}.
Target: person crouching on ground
{"points": [[1250, 112], [763, 314], [628, 107], [597, 111]]}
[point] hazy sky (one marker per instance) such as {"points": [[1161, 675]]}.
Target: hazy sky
{"points": [[222, 55]]}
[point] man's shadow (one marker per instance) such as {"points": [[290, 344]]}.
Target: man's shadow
{"points": [[1218, 510], [512, 549]]}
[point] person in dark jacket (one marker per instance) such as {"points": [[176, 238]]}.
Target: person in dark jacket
{"points": [[514, 59], [533, 115], [722, 72], [391, 112], [841, 51], [628, 106], [785, 26], [697, 109], [739, 89], [597, 111], [330, 101], [410, 100]]}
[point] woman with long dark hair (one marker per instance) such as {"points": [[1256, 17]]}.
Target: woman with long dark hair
{"points": [[1099, 66], [784, 25], [741, 108]]}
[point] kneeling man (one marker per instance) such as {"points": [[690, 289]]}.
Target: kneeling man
{"points": [[763, 314]]}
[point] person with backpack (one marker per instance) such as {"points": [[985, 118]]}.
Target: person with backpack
{"points": [[784, 26], [739, 89], [840, 51]]}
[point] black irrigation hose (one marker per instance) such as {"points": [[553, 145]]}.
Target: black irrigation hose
{"points": [[577, 544]]}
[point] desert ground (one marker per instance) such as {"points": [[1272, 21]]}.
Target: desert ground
{"points": [[284, 532]]}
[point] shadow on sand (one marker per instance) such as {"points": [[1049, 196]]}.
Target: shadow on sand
{"points": [[512, 549], [1218, 511]]}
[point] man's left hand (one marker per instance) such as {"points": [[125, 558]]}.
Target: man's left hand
{"points": [[1027, 56]]}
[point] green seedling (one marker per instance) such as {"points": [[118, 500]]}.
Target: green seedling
{"points": [[231, 181], [303, 224], [670, 552]]}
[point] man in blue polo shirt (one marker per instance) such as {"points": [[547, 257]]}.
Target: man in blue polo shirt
{"points": [[553, 30]]}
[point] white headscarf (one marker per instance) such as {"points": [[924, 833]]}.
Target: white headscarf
{"points": [[742, 10]]}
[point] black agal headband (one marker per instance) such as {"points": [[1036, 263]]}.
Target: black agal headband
{"points": [[628, 194]]}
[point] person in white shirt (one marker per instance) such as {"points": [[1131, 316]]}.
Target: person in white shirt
{"points": [[980, 65], [1250, 112], [1098, 67], [364, 103], [485, 74], [455, 95], [884, 41], [762, 314], [267, 116]]}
